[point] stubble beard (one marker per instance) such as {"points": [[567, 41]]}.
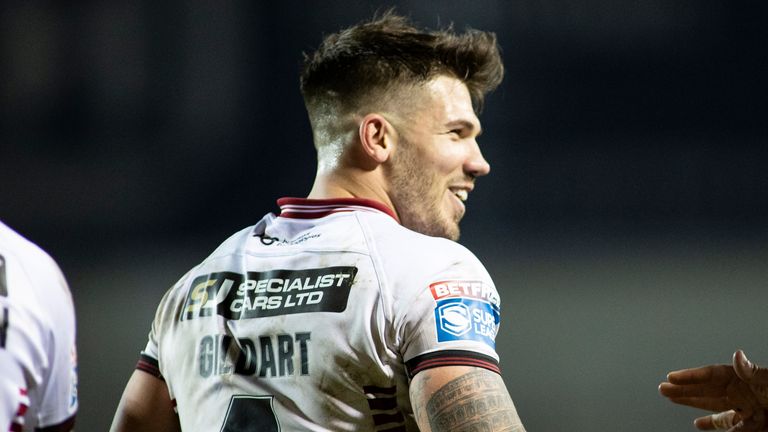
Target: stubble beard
{"points": [[412, 195]]}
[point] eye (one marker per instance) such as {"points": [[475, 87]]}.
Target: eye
{"points": [[455, 131]]}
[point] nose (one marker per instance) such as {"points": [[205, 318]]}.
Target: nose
{"points": [[476, 165]]}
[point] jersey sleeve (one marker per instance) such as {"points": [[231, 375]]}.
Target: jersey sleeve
{"points": [[150, 356], [453, 318], [149, 359], [13, 392], [60, 399], [39, 344]]}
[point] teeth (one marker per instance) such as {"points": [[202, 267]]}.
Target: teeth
{"points": [[461, 194]]}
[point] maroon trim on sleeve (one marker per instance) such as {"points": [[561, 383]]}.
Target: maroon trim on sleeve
{"points": [[149, 365], [450, 358]]}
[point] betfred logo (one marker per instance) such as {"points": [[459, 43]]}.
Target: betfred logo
{"points": [[464, 289]]}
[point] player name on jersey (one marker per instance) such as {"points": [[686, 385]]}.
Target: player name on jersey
{"points": [[271, 293], [265, 356]]}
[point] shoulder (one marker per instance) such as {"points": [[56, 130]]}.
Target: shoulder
{"points": [[400, 246], [39, 322], [32, 280], [415, 268], [234, 244], [21, 252], [182, 291]]}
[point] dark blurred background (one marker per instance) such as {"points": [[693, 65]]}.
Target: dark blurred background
{"points": [[624, 220]]}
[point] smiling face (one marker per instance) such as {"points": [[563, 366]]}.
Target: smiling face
{"points": [[436, 160]]}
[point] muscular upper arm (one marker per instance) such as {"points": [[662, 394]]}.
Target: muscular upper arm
{"points": [[452, 398], [145, 406]]}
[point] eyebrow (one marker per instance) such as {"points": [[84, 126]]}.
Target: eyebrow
{"points": [[466, 124]]}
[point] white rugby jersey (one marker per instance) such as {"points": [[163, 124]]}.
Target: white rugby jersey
{"points": [[38, 361], [316, 319]]}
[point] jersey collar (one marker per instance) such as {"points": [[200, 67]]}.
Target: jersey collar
{"points": [[305, 208]]}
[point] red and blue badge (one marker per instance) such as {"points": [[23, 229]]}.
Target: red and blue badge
{"points": [[466, 310]]}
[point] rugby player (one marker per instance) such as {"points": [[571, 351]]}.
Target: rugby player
{"points": [[354, 308], [38, 360]]}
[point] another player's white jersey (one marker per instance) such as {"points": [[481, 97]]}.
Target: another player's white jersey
{"points": [[316, 320], [38, 362]]}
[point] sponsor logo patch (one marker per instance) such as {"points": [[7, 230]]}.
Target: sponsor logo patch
{"points": [[464, 289], [271, 293], [466, 310]]}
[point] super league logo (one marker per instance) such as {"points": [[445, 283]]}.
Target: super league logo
{"points": [[454, 318]]}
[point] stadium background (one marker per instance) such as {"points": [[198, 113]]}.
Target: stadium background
{"points": [[623, 221]]}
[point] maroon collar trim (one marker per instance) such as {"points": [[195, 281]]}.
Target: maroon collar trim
{"points": [[305, 208]]}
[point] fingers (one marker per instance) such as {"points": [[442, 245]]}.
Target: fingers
{"points": [[724, 421], [736, 397], [708, 404], [748, 371], [732, 421], [732, 395], [716, 374], [693, 390], [738, 393], [753, 424]]}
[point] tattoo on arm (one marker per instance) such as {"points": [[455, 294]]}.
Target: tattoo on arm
{"points": [[476, 401]]}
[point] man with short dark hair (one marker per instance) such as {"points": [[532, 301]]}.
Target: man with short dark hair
{"points": [[354, 308]]}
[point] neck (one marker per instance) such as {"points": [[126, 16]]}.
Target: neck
{"points": [[350, 183]]}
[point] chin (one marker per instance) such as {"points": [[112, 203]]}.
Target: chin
{"points": [[453, 234], [448, 230], [433, 228]]}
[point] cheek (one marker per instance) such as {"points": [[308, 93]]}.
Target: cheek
{"points": [[451, 164], [447, 158]]}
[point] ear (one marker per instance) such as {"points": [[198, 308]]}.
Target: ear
{"points": [[377, 137]]}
